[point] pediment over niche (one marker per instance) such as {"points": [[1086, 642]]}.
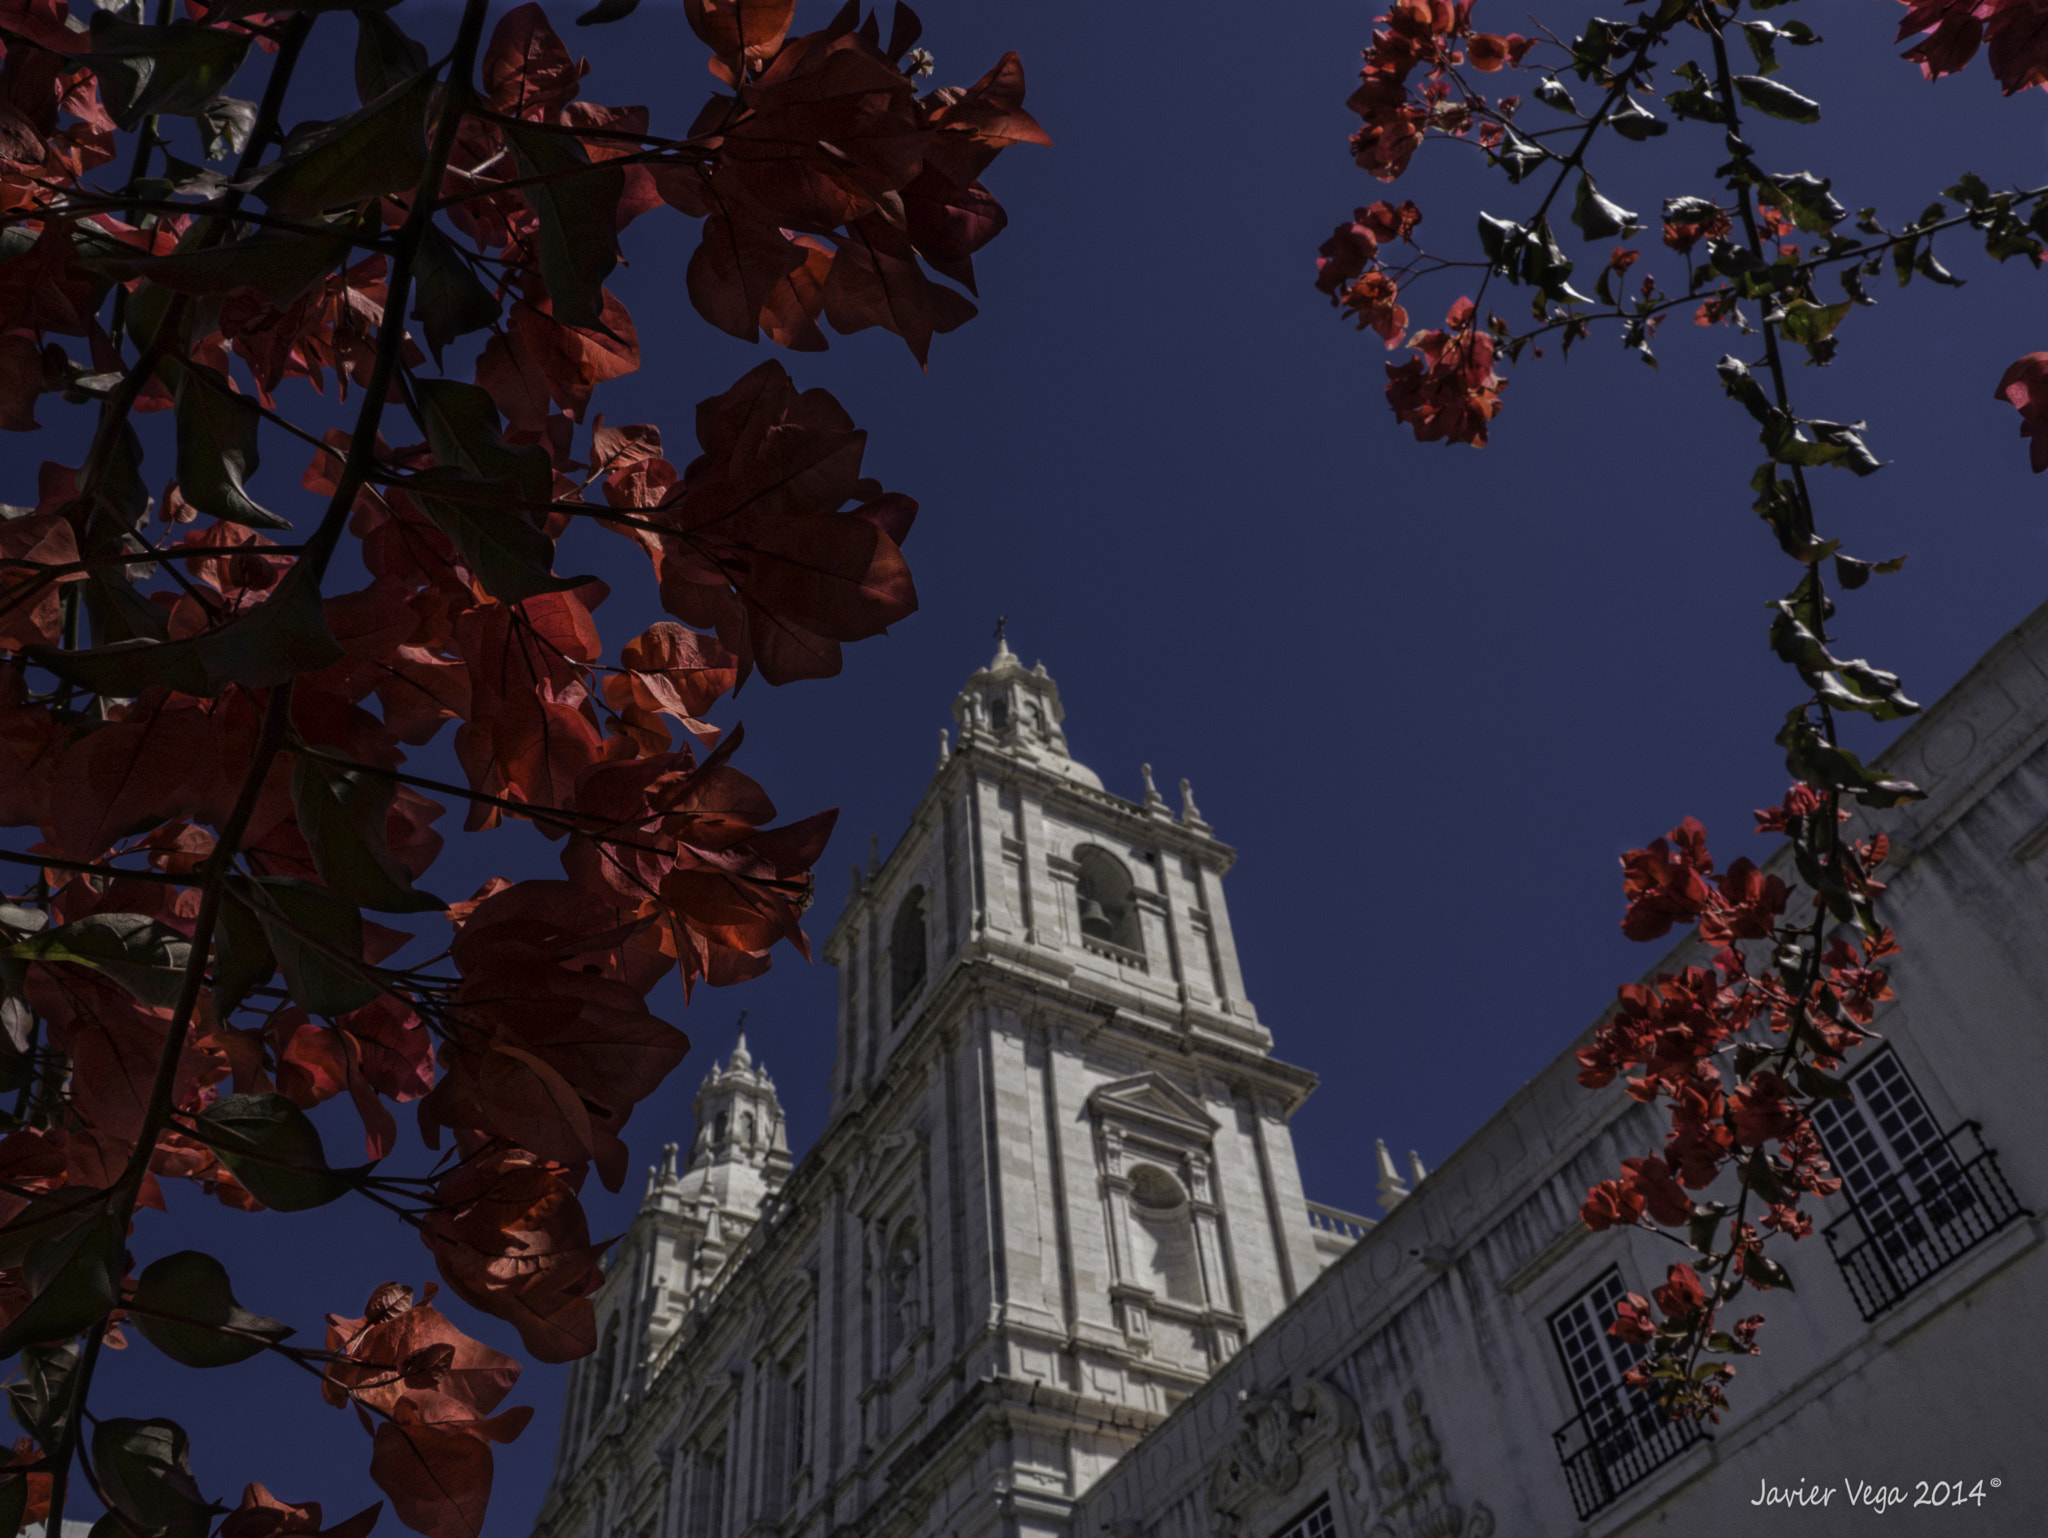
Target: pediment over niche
{"points": [[1152, 1099]]}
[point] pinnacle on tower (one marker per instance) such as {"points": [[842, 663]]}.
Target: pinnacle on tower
{"points": [[1391, 1191], [1015, 711]]}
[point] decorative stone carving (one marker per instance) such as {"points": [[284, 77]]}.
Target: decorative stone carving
{"points": [[1415, 1491], [1280, 1436]]}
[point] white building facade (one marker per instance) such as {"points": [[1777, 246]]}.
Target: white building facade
{"points": [[1055, 1192], [1049, 1270]]}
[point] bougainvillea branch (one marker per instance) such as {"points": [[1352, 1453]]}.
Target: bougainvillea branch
{"points": [[1739, 1051], [202, 737]]}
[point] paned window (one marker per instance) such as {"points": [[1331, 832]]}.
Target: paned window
{"points": [[1619, 1434], [1918, 1198], [1316, 1522], [1894, 1163], [1594, 1360]]}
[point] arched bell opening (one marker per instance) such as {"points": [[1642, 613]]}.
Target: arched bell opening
{"points": [[1107, 899]]}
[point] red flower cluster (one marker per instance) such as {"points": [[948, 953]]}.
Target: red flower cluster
{"points": [[1688, 221], [1667, 885], [1951, 31], [209, 746], [1675, 1040], [1448, 391], [435, 1390], [2025, 387], [1418, 34], [1348, 268]]}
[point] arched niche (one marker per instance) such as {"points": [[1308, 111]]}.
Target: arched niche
{"points": [[1163, 1249], [1107, 898]]}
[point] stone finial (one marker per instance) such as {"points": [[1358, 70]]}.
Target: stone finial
{"points": [[874, 856], [1415, 1168], [1154, 802], [1189, 812], [945, 746], [742, 1059], [1004, 657], [1391, 1191]]}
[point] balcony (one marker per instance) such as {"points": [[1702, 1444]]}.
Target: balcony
{"points": [[1336, 1230], [1615, 1442], [1920, 1219]]}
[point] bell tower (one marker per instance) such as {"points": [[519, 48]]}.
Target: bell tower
{"points": [[1044, 1034], [1054, 1193]]}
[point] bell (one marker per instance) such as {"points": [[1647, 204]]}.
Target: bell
{"points": [[1095, 922]]}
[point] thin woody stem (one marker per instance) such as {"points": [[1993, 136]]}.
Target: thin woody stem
{"points": [[277, 715]]}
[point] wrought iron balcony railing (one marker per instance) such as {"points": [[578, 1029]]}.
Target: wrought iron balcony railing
{"points": [[1614, 1442], [1921, 1218]]}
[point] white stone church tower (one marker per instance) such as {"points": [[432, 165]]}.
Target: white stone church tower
{"points": [[1055, 1193]]}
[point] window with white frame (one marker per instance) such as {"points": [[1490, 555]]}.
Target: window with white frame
{"points": [[1894, 1163], [1619, 1435], [1918, 1198], [1594, 1361]]}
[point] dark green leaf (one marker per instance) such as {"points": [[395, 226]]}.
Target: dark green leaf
{"points": [[1546, 267], [1775, 100], [341, 814], [280, 638], [1820, 1086], [1762, 1271], [1518, 156], [1551, 92], [317, 937], [1635, 123], [274, 1149], [13, 1503], [71, 1277], [1699, 100], [385, 57], [279, 265], [1844, 441], [184, 1306], [449, 299], [1811, 758], [607, 10], [1970, 188], [463, 431], [1705, 1219], [511, 558], [145, 957], [1807, 324], [224, 126], [242, 958], [1597, 217], [176, 69], [217, 448], [1925, 264], [144, 1469], [376, 149], [579, 218], [1845, 685], [1592, 50], [1806, 199], [1737, 381], [40, 1396]]}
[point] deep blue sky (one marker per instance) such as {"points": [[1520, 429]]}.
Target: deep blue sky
{"points": [[1430, 694]]}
